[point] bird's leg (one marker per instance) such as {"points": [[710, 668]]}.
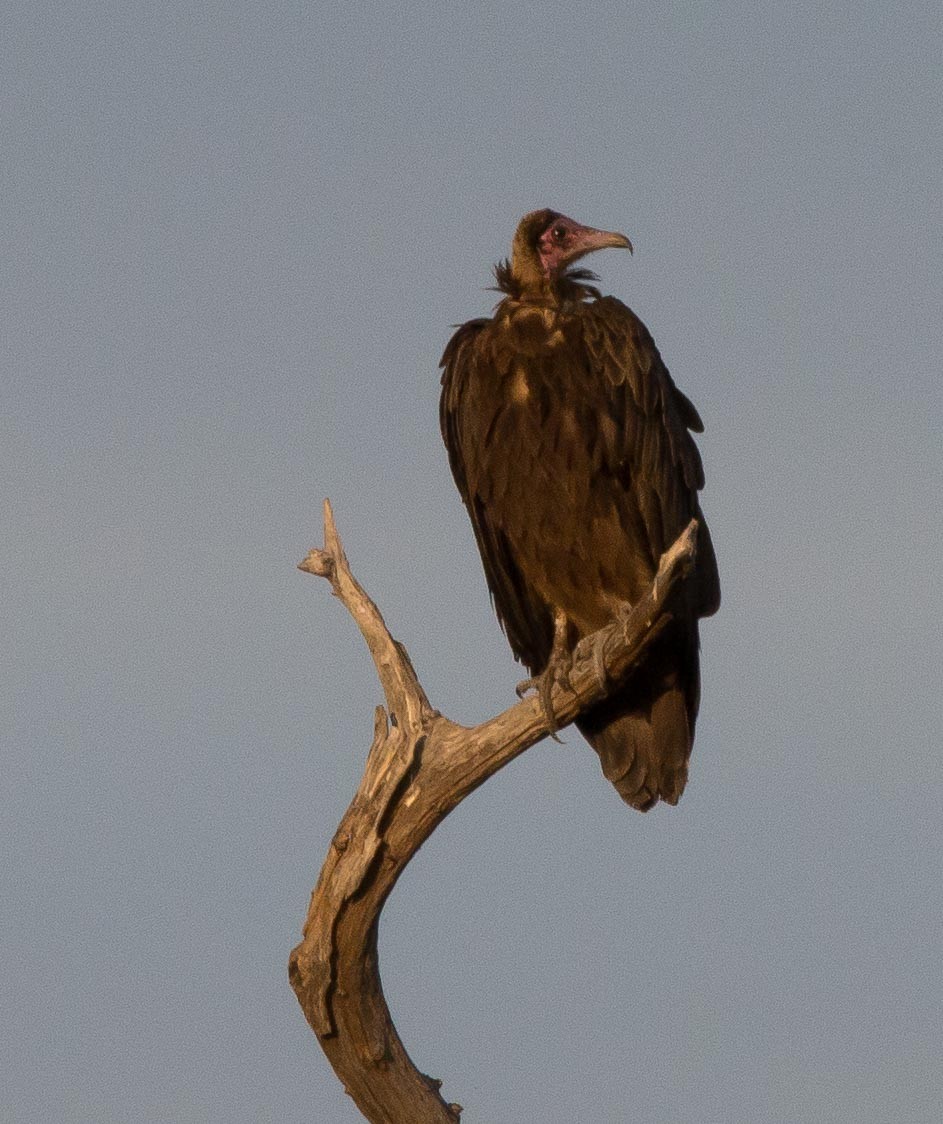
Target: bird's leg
{"points": [[557, 671]]}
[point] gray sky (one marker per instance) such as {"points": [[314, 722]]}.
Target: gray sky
{"points": [[235, 237]]}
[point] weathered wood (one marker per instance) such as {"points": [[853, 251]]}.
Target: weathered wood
{"points": [[419, 767]]}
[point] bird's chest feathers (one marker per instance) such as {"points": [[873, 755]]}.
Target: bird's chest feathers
{"points": [[536, 428], [533, 330], [519, 385], [532, 348]]}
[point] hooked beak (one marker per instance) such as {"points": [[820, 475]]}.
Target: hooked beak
{"points": [[588, 240]]}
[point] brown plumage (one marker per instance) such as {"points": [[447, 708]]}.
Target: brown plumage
{"points": [[570, 445]]}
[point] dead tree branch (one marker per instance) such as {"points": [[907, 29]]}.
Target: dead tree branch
{"points": [[419, 767]]}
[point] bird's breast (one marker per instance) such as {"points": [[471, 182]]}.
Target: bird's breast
{"points": [[519, 385], [532, 329]]}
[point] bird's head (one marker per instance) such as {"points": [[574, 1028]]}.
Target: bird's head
{"points": [[547, 243]]}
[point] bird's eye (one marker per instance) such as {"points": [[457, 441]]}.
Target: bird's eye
{"points": [[559, 232]]}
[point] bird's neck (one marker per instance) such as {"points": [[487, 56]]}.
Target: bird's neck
{"points": [[527, 286], [526, 283], [531, 281]]}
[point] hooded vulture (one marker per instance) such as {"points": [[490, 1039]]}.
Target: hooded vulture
{"points": [[571, 447]]}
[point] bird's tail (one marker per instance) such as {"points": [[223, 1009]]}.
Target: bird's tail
{"points": [[644, 750]]}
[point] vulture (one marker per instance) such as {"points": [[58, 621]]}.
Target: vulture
{"points": [[571, 447]]}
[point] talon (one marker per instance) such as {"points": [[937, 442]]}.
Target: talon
{"points": [[544, 691], [543, 685], [526, 685]]}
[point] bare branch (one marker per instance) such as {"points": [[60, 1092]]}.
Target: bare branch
{"points": [[419, 767], [405, 698]]}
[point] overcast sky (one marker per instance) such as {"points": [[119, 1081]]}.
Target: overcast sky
{"points": [[235, 238]]}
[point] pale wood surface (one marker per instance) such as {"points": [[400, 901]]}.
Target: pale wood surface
{"points": [[419, 767]]}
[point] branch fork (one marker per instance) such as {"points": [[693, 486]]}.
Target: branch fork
{"points": [[419, 767]]}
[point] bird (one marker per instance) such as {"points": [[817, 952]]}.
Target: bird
{"points": [[572, 449]]}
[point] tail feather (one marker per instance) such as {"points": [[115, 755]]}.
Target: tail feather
{"points": [[643, 752]]}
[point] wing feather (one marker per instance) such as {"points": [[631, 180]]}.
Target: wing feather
{"points": [[646, 435], [470, 421]]}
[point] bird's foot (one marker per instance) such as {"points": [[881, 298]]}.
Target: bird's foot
{"points": [[622, 611], [556, 672], [599, 663]]}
